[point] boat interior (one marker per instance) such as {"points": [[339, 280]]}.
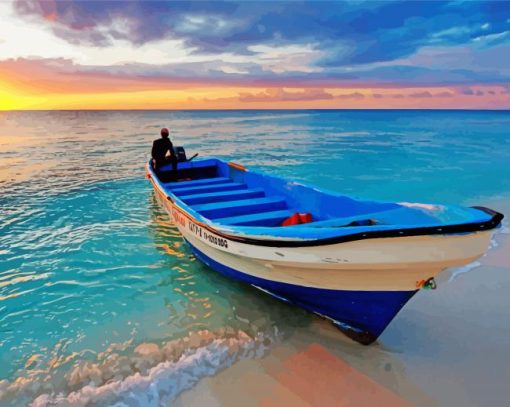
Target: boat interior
{"points": [[227, 194]]}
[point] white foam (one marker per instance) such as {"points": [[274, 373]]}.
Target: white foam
{"points": [[493, 244], [464, 269], [152, 376]]}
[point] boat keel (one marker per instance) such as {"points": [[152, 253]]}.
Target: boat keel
{"points": [[361, 315]]}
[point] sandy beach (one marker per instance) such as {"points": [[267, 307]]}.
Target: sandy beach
{"points": [[463, 326]]}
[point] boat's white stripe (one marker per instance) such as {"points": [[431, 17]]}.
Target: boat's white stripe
{"points": [[385, 264], [396, 277]]}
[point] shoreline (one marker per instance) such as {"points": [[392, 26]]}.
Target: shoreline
{"points": [[437, 331]]}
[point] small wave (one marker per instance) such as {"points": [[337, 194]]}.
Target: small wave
{"points": [[152, 375], [464, 269], [493, 244]]}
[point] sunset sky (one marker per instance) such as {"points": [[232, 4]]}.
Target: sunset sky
{"points": [[252, 55]]}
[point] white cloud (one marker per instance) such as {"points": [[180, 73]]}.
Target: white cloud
{"points": [[197, 23], [452, 32], [20, 38], [289, 58], [232, 69], [461, 56], [492, 37]]}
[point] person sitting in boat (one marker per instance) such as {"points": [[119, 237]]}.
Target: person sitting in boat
{"points": [[163, 153]]}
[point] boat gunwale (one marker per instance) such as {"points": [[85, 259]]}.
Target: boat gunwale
{"points": [[459, 228]]}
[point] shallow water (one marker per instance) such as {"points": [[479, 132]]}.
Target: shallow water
{"points": [[96, 285]]}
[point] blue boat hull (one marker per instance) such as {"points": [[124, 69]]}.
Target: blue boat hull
{"points": [[356, 262], [361, 315]]}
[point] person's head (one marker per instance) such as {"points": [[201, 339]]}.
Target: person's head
{"points": [[164, 132]]}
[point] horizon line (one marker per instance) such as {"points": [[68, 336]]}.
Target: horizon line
{"points": [[259, 109]]}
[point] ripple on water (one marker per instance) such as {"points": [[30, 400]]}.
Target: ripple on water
{"points": [[148, 374], [100, 299]]}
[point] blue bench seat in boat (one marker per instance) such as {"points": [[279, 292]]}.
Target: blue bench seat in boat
{"points": [[222, 196], [196, 182], [242, 207], [203, 189], [202, 166], [273, 218], [396, 216]]}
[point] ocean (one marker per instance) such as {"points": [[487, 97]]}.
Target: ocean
{"points": [[101, 302]]}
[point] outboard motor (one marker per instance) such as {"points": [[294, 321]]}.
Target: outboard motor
{"points": [[180, 153]]}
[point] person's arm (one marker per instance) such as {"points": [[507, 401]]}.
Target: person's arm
{"points": [[153, 154], [153, 151], [173, 157]]}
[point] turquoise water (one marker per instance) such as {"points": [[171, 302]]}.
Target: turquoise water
{"points": [[94, 279]]}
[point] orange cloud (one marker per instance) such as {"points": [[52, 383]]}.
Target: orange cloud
{"points": [[281, 95], [60, 84]]}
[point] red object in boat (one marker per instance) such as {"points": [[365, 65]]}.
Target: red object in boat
{"points": [[297, 219], [305, 217]]}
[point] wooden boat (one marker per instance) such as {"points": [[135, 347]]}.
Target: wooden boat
{"points": [[356, 262]]}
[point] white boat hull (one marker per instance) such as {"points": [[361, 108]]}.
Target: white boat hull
{"points": [[359, 284]]}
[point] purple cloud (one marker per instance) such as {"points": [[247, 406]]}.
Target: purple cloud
{"points": [[354, 95], [351, 42], [427, 94], [471, 92], [279, 95], [354, 33]]}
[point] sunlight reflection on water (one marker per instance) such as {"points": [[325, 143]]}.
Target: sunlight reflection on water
{"points": [[92, 268]]}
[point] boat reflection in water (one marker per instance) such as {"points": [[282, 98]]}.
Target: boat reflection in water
{"points": [[209, 300]]}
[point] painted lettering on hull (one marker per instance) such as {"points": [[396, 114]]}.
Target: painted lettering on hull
{"points": [[197, 230], [178, 218]]}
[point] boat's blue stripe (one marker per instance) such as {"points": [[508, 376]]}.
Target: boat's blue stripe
{"points": [[366, 311]]}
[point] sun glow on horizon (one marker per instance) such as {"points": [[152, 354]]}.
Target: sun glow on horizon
{"points": [[19, 96], [108, 55], [12, 98]]}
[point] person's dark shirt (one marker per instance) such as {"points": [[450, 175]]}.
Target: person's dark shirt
{"points": [[159, 149]]}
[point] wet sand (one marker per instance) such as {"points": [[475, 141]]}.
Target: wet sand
{"points": [[291, 375], [448, 346]]}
